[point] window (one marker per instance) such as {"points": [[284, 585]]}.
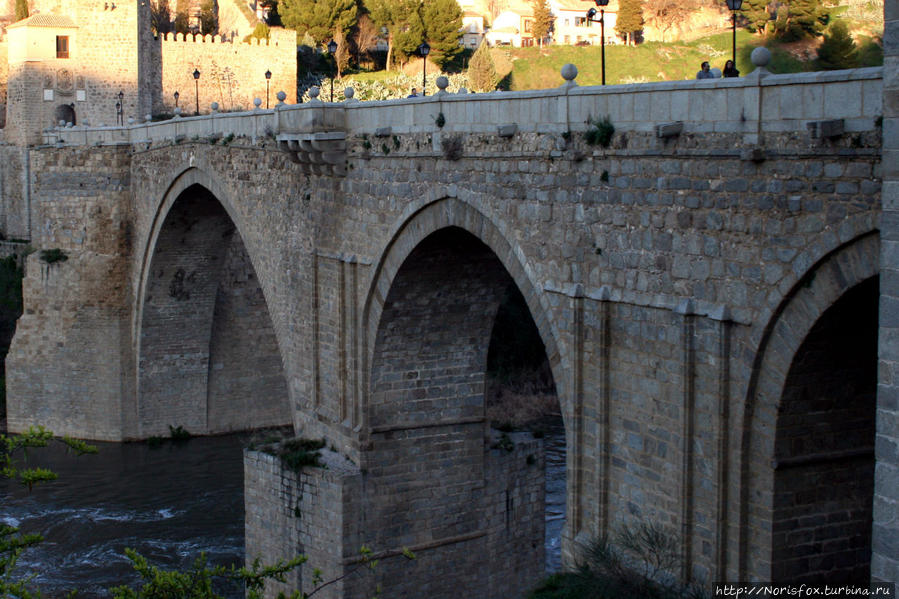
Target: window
{"points": [[528, 25], [567, 39], [527, 42], [62, 46], [580, 21]]}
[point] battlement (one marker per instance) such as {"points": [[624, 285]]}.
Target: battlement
{"points": [[277, 38]]}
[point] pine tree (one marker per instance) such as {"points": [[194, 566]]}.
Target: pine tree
{"points": [[630, 18], [838, 51], [755, 14], [405, 29], [482, 70], [543, 21], [800, 18], [21, 9], [318, 17], [442, 21]]}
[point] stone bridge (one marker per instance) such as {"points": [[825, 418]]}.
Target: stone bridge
{"points": [[705, 286]]}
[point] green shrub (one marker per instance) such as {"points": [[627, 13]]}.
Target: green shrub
{"points": [[599, 132]]}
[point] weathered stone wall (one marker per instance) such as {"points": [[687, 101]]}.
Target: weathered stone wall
{"points": [[672, 280], [323, 514], [79, 363], [231, 73], [16, 192]]}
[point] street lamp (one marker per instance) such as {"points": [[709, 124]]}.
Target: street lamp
{"points": [[197, 88], [268, 77], [602, 31], [424, 49], [332, 48], [120, 109], [177, 95], [734, 6]]}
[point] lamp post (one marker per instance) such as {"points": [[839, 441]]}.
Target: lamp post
{"points": [[332, 49], [602, 31], [120, 109], [734, 6], [424, 49], [177, 95], [197, 88], [268, 78]]}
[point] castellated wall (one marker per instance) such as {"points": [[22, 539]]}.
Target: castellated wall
{"points": [[231, 73]]}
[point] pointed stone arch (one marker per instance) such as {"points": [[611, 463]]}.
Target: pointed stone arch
{"points": [[823, 285]]}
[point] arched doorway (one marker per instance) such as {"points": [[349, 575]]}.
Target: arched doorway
{"points": [[208, 358], [436, 475], [64, 113]]}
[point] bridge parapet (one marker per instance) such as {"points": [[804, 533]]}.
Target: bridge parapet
{"points": [[751, 106]]}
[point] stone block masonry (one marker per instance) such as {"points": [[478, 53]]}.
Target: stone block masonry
{"points": [[673, 282], [320, 513], [231, 73]]}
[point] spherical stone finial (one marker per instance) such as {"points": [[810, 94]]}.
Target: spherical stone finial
{"points": [[257, 102], [62, 123], [569, 72], [281, 96], [348, 93], [462, 90], [148, 118], [214, 106], [314, 92], [130, 120], [442, 83], [178, 111], [761, 56]]}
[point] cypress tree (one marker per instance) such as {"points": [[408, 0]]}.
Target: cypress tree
{"points": [[442, 21], [482, 70], [543, 21], [838, 51], [21, 9], [630, 18]]}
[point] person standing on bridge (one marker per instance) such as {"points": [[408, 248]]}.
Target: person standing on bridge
{"points": [[705, 71], [730, 69]]}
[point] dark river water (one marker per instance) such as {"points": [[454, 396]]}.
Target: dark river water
{"points": [[170, 503]]}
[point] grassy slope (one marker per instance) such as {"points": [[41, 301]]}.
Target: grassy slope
{"points": [[652, 61]]}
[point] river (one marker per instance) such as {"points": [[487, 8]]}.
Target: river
{"points": [[170, 503]]}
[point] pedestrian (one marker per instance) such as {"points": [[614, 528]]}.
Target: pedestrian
{"points": [[730, 69], [414, 93], [705, 71]]}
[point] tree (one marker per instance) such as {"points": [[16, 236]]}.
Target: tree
{"points": [[667, 14], [209, 20], [320, 18], [161, 17], [838, 51], [482, 70], [365, 37], [21, 9], [630, 19], [543, 21], [442, 21], [756, 15], [797, 19], [182, 16], [405, 29]]}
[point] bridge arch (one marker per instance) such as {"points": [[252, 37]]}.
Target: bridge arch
{"points": [[447, 213], [429, 318], [778, 460], [207, 354]]}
